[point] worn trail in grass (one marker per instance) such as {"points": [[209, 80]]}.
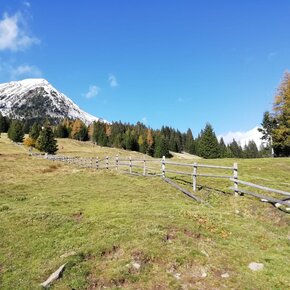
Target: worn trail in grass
{"points": [[131, 232]]}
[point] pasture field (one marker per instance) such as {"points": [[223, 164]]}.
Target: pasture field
{"points": [[117, 231]]}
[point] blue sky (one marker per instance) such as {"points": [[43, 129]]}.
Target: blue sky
{"points": [[176, 63]]}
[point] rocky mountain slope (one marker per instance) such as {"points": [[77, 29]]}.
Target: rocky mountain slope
{"points": [[37, 98]]}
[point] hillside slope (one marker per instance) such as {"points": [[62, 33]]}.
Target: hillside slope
{"points": [[120, 231]]}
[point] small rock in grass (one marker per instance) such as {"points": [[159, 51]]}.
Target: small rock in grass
{"points": [[177, 275], [264, 200], [68, 254], [54, 276], [256, 266], [136, 265], [199, 273], [205, 253], [203, 275], [225, 275]]}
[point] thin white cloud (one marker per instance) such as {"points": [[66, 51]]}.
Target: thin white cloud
{"points": [[25, 71], [13, 33], [26, 3], [92, 92], [12, 72], [271, 56], [113, 80], [243, 137], [144, 120]]}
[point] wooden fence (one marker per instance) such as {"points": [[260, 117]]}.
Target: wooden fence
{"points": [[163, 167], [233, 174], [157, 167]]}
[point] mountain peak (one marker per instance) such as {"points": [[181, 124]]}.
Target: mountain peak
{"points": [[37, 98]]}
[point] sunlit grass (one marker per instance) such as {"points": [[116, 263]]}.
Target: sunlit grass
{"points": [[108, 221]]}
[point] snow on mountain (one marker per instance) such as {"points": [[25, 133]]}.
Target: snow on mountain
{"points": [[243, 137], [37, 98]]}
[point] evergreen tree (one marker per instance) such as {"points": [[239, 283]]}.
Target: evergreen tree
{"points": [[15, 132], [130, 142], [99, 135], [45, 141], [268, 125], [4, 124], [68, 125], [189, 145], [34, 131], [102, 139], [264, 151], [251, 150], [235, 149], [229, 153], [161, 147], [82, 135], [26, 125], [61, 131], [116, 137], [208, 143], [223, 149]]}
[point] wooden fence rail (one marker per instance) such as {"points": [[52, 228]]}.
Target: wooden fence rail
{"points": [[263, 187], [276, 201], [150, 167]]}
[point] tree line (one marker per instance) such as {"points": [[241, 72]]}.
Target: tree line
{"points": [[138, 137], [275, 128]]}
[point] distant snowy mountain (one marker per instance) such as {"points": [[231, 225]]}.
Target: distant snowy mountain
{"points": [[37, 98]]}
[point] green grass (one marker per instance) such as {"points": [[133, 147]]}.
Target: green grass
{"points": [[111, 220]]}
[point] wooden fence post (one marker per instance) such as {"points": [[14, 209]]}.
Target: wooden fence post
{"points": [[91, 165], [130, 164], [163, 166], [194, 176], [97, 162], [236, 177], [107, 162], [117, 162], [144, 166]]}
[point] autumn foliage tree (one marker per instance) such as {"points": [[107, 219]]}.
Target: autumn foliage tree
{"points": [[79, 130], [281, 108], [276, 125], [150, 142]]}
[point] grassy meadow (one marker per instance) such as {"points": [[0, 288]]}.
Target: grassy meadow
{"points": [[120, 231]]}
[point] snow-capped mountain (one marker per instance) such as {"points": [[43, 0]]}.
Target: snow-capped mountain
{"points": [[37, 98]]}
